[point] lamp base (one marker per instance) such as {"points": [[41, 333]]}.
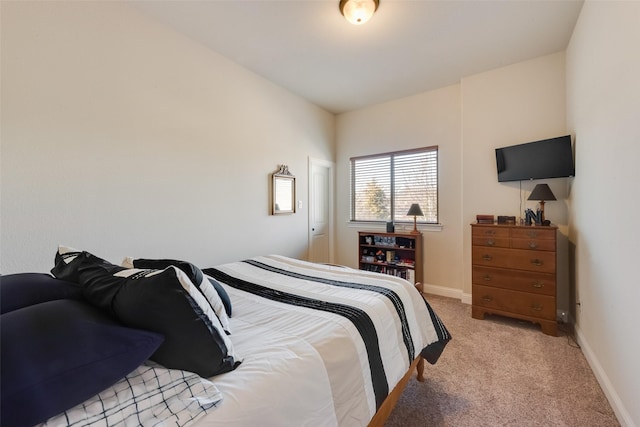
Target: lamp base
{"points": [[415, 226]]}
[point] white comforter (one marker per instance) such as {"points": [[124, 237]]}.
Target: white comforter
{"points": [[306, 366]]}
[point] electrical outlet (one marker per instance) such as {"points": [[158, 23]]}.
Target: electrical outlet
{"points": [[562, 316]]}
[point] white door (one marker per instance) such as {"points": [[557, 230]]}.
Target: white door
{"points": [[320, 211]]}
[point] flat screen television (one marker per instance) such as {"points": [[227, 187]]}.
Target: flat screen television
{"points": [[547, 158]]}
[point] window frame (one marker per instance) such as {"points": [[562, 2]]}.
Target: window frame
{"points": [[391, 155]]}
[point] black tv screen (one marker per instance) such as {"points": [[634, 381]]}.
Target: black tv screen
{"points": [[547, 158]]}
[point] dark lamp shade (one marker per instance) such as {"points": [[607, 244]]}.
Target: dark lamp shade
{"points": [[415, 210], [541, 192]]}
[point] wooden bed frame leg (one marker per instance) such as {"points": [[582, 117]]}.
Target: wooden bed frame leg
{"points": [[420, 369], [420, 287]]}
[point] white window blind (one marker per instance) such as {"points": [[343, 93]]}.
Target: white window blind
{"points": [[384, 186]]}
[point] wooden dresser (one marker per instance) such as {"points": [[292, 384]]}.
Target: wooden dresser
{"points": [[514, 273]]}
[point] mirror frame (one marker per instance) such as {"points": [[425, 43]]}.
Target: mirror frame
{"points": [[283, 194]]}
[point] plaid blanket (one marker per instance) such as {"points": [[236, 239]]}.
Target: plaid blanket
{"points": [[150, 395]]}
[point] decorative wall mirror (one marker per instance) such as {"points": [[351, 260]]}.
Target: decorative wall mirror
{"points": [[283, 191]]}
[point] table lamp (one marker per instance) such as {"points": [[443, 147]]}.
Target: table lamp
{"points": [[541, 192], [415, 211]]}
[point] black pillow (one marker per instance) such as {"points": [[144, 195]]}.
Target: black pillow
{"points": [[85, 260], [25, 289], [58, 354], [164, 301], [191, 270]]}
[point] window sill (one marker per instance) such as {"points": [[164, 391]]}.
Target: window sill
{"points": [[399, 227]]}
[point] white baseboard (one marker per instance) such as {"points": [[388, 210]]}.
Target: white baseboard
{"points": [[614, 400], [465, 298], [448, 292]]}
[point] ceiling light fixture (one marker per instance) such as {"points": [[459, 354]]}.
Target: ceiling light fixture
{"points": [[358, 11]]}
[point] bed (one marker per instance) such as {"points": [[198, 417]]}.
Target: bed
{"points": [[309, 344]]}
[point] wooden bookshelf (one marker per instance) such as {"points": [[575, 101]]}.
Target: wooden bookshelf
{"points": [[396, 254]]}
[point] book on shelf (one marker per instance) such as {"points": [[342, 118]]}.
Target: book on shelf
{"points": [[384, 240], [391, 256], [411, 276]]}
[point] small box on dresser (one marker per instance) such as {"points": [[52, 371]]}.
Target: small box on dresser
{"points": [[514, 273]]}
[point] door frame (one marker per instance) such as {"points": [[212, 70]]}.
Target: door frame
{"points": [[330, 197]]}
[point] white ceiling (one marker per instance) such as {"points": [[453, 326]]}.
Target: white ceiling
{"points": [[408, 47]]}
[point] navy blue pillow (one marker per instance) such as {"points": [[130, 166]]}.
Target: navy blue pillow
{"points": [[224, 296], [57, 354], [25, 289]]}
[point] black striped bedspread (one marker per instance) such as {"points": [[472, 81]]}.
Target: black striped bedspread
{"points": [[348, 336]]}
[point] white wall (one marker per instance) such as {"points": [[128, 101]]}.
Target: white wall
{"points": [[122, 137], [603, 100], [431, 118], [510, 105], [516, 104]]}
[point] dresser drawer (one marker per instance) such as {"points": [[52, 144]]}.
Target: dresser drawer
{"points": [[496, 242], [519, 259], [533, 233], [534, 244], [489, 231], [541, 306], [524, 281]]}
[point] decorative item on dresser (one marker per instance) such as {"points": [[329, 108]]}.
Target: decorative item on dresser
{"points": [[542, 193], [485, 219], [514, 273], [397, 254]]}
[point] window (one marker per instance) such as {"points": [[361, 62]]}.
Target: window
{"points": [[383, 186]]}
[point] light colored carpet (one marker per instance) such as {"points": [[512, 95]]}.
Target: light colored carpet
{"points": [[502, 372]]}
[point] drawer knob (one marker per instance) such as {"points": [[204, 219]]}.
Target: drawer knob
{"points": [[536, 262], [487, 298], [486, 278], [487, 257], [533, 245], [536, 307], [533, 234], [491, 242], [538, 284], [490, 232]]}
